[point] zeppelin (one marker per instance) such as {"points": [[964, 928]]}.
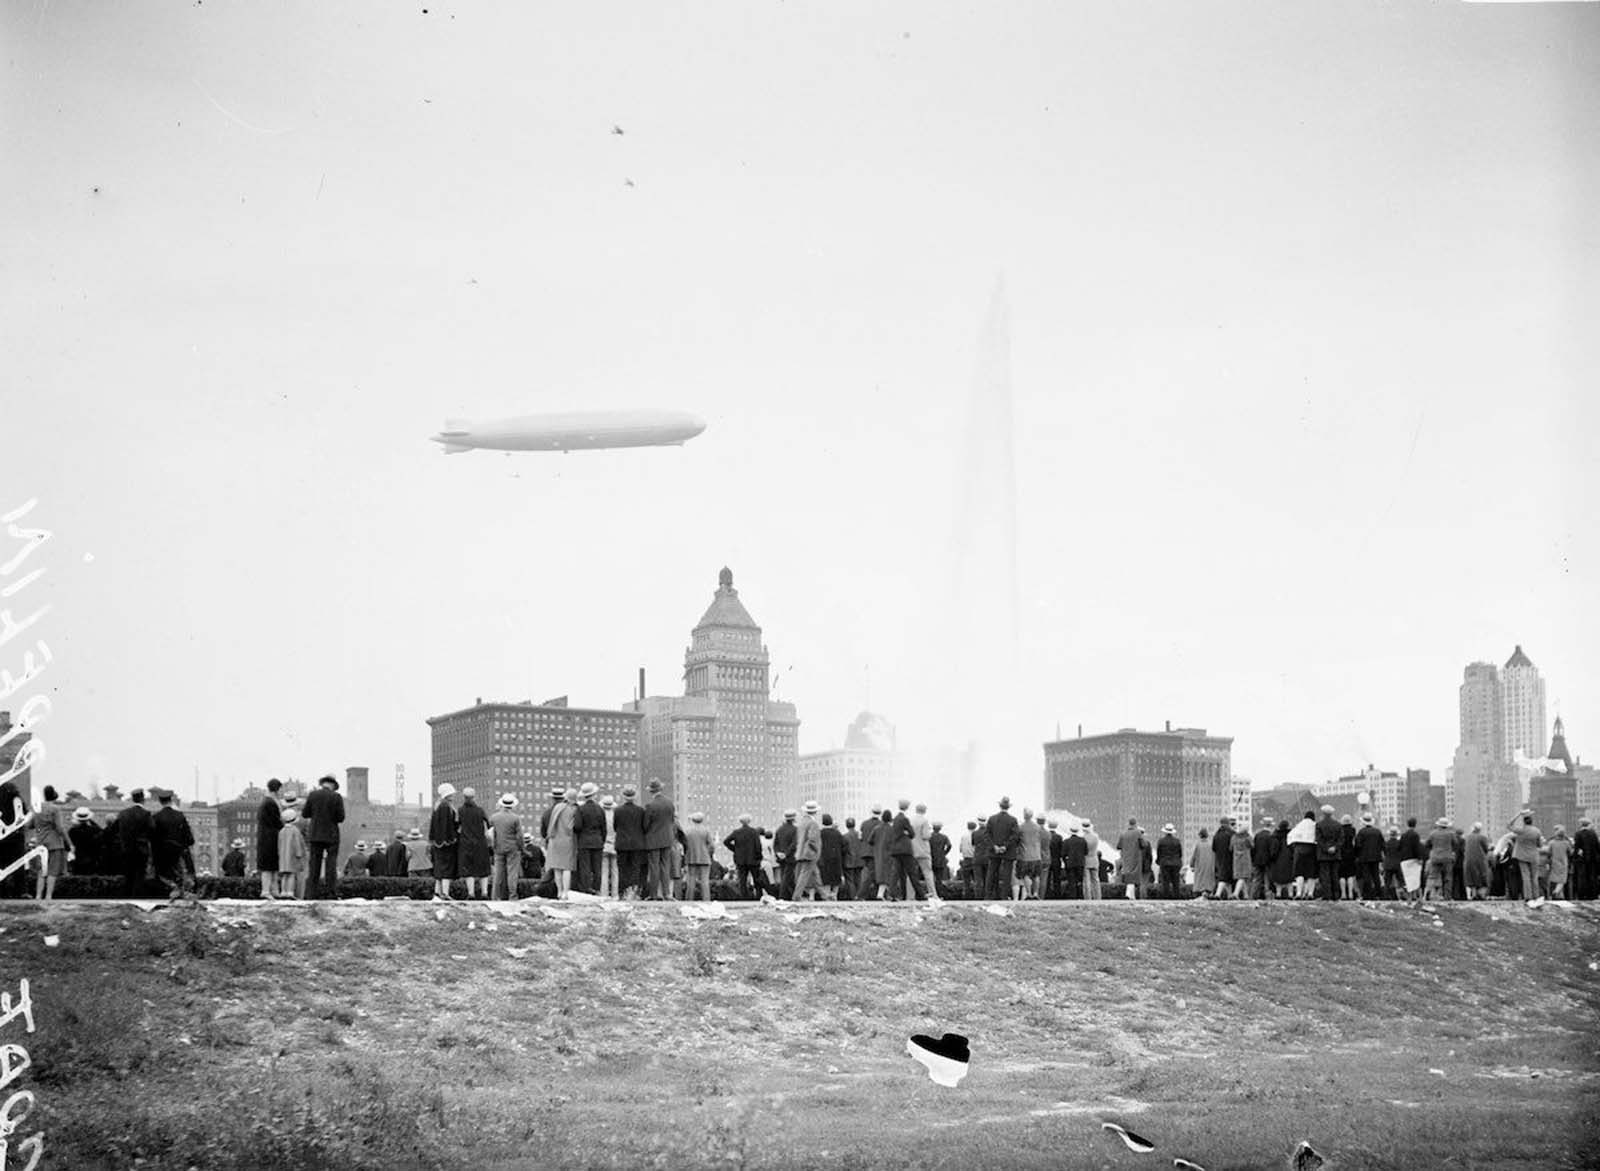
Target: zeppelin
{"points": [[571, 432]]}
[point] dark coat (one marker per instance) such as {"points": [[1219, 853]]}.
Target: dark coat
{"points": [[323, 811], [135, 827], [745, 844], [1369, 844], [1055, 849], [1004, 835], [589, 826], [938, 849], [852, 850], [1410, 845], [1330, 839], [660, 823], [1586, 845], [1169, 850], [473, 859], [901, 835], [627, 822], [1393, 852], [1283, 860], [233, 863], [868, 840], [1222, 854], [1264, 850], [1075, 852], [398, 856], [983, 844], [830, 863], [269, 820], [85, 838], [170, 835], [784, 842], [358, 864]]}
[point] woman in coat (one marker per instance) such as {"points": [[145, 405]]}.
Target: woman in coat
{"points": [[294, 857], [1244, 869], [50, 824], [561, 844], [1281, 872], [1349, 883], [1205, 867], [474, 861], [1303, 844], [830, 863], [1560, 862], [442, 838], [1475, 863]]}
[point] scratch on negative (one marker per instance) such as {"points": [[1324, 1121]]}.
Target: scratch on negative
{"points": [[231, 116]]}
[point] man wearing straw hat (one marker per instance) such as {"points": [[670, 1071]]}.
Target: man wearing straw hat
{"points": [[507, 829], [807, 849]]}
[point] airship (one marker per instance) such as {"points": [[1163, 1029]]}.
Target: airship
{"points": [[578, 431]]}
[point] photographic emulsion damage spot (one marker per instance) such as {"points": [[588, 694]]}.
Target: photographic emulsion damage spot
{"points": [[946, 1058]]}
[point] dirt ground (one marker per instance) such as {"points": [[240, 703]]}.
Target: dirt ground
{"points": [[531, 1035]]}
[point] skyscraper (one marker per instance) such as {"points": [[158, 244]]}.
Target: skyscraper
{"points": [[725, 746], [1522, 727], [1502, 719], [1180, 775]]}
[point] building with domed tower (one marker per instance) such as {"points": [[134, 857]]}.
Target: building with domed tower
{"points": [[725, 746], [1553, 791]]}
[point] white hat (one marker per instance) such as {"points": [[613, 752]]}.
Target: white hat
{"points": [[1169, 828], [697, 817], [81, 813], [446, 790], [1327, 809], [810, 806], [589, 789], [509, 800], [290, 815]]}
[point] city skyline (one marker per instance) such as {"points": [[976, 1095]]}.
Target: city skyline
{"points": [[1297, 354]]}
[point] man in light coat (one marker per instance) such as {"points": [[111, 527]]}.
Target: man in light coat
{"points": [[922, 845], [507, 827], [697, 847], [1525, 842], [1091, 862], [807, 849]]}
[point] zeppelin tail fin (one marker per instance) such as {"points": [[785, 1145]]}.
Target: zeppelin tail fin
{"points": [[454, 448]]}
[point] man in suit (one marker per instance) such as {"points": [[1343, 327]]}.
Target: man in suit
{"points": [[1004, 839], [783, 846], [170, 837], [1169, 858], [1264, 852], [1369, 858], [399, 858], [1091, 862], [982, 856], [507, 865], [852, 859], [233, 860], [589, 832], [939, 849], [902, 835], [358, 864], [807, 850], [324, 811], [867, 888], [1586, 860], [698, 847], [745, 845], [1052, 876], [660, 832], [1075, 859], [627, 823], [1330, 840]]}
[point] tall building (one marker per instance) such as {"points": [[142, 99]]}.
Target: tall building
{"points": [[1386, 794], [1502, 721], [1239, 799], [871, 769], [724, 747], [528, 749], [1181, 775], [1553, 793], [1522, 726], [867, 770], [1480, 708], [13, 740]]}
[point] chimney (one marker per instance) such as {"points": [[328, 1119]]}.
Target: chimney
{"points": [[1169, 725], [1080, 731], [641, 684]]}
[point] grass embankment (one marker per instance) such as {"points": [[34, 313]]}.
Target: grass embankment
{"points": [[380, 1035]]}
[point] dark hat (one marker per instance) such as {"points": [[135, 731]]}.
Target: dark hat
{"points": [[654, 786], [328, 781], [1005, 803]]}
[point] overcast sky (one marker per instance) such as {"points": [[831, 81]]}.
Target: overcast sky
{"points": [[1302, 305]]}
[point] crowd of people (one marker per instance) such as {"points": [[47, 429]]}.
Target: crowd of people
{"points": [[587, 842]]}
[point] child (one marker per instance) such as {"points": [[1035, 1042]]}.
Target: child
{"points": [[293, 857]]}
